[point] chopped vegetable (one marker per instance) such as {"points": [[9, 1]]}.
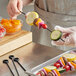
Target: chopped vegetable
{"points": [[56, 72], [55, 35], [61, 70], [37, 22], [61, 61], [67, 67], [70, 57], [44, 26], [51, 74], [31, 16], [57, 65], [44, 71], [40, 73], [71, 66], [11, 26], [2, 32], [49, 68]]}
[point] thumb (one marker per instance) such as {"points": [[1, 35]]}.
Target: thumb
{"points": [[14, 17], [20, 5], [64, 30]]}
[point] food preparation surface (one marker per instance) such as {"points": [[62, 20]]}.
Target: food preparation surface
{"points": [[30, 56]]}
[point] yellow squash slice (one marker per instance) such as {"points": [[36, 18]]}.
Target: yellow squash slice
{"points": [[30, 17]]}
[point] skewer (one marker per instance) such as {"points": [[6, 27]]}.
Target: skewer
{"points": [[62, 40], [46, 28], [6, 62], [23, 13], [49, 29], [12, 58], [17, 60]]}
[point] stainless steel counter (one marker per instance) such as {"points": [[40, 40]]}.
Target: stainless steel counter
{"points": [[30, 56]]}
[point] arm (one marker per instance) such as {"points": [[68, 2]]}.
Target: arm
{"points": [[26, 2]]}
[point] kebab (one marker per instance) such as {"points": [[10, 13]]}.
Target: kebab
{"points": [[32, 19]]}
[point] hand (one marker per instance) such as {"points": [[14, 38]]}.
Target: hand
{"points": [[69, 36], [14, 7]]}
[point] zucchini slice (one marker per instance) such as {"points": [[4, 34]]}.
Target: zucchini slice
{"points": [[55, 35], [61, 70], [50, 67]]}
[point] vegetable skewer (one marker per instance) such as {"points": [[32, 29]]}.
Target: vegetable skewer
{"points": [[34, 20]]}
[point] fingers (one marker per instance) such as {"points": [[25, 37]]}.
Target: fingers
{"points": [[59, 42], [14, 17], [10, 12], [73, 28], [64, 30], [68, 41], [14, 8], [20, 5]]}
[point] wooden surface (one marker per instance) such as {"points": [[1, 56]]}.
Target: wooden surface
{"points": [[11, 42]]}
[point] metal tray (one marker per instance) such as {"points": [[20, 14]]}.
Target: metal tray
{"points": [[51, 62]]}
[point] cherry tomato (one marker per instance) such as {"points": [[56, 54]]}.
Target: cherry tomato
{"points": [[57, 65], [0, 31], [67, 67], [3, 29], [44, 26], [0, 27], [38, 74]]}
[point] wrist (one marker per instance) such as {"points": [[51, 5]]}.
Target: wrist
{"points": [[26, 2]]}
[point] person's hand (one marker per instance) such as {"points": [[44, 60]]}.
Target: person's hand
{"points": [[14, 7], [69, 36]]}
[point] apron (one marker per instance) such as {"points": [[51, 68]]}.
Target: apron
{"points": [[54, 12]]}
